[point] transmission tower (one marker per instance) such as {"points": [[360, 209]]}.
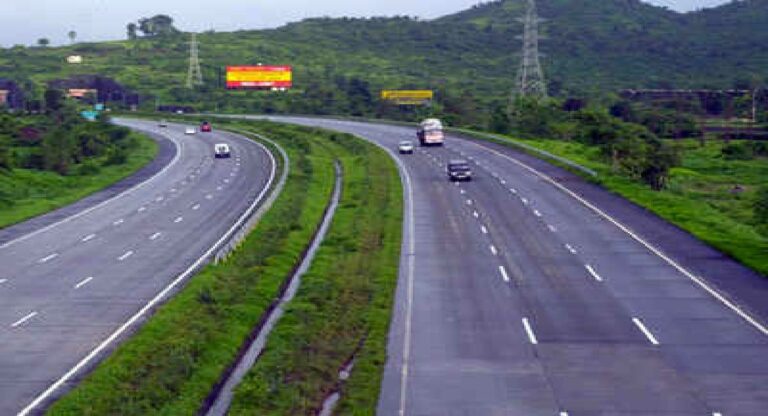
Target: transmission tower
{"points": [[194, 75], [530, 79]]}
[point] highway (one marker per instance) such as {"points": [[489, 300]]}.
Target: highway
{"points": [[69, 287], [531, 292]]}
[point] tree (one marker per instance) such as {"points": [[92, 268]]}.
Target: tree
{"points": [[158, 25], [72, 36], [131, 28], [54, 100], [43, 42]]}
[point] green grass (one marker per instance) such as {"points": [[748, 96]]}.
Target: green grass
{"points": [[344, 304], [29, 193], [172, 363], [698, 199]]}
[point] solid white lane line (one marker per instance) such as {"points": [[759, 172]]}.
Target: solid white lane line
{"points": [[645, 331], [118, 222], [196, 207], [155, 236], [537, 213], [48, 258], [23, 320], [529, 331], [593, 273], [475, 214], [83, 282], [571, 249], [142, 209], [127, 254], [493, 250], [484, 229], [88, 237], [178, 220], [504, 274], [699, 281], [552, 228]]}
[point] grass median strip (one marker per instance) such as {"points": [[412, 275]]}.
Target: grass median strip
{"points": [[172, 363], [343, 307]]}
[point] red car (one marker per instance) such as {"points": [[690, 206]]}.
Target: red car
{"points": [[205, 127]]}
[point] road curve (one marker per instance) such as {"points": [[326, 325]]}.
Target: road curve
{"points": [[520, 297], [68, 287]]}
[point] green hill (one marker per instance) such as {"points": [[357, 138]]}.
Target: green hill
{"points": [[592, 47]]}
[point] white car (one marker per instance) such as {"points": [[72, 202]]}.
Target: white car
{"points": [[405, 146], [221, 150], [162, 123], [190, 130]]}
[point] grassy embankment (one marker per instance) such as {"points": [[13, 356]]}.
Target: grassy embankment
{"points": [[176, 358], [343, 307], [27, 193], [699, 198]]}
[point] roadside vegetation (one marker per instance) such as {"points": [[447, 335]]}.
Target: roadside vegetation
{"points": [[173, 362], [53, 159]]}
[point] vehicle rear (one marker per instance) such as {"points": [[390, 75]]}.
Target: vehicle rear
{"points": [[205, 127], [459, 170], [431, 133], [221, 150]]}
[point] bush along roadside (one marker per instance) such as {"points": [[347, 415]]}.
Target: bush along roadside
{"points": [[343, 307], [174, 361]]}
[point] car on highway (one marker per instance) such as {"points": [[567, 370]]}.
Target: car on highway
{"points": [[221, 150], [162, 123], [205, 127], [405, 147], [190, 130], [459, 170]]}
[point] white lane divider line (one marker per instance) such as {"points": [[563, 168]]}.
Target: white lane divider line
{"points": [[233, 174], [462, 191], [537, 213], [118, 222], [178, 220], [594, 274], [552, 228], [48, 258], [88, 238], [469, 202], [572, 250], [563, 413], [159, 198], [483, 229], [155, 236], [219, 188], [645, 331], [23, 320], [503, 182], [525, 200], [494, 251], [529, 331], [142, 209], [173, 189], [717, 414], [83, 282], [226, 180], [127, 254], [195, 207], [209, 196], [513, 190], [3, 281], [476, 214], [504, 274], [183, 183]]}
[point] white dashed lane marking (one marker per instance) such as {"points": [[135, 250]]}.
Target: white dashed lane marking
{"points": [[529, 331], [83, 282], [645, 331], [126, 255], [23, 320], [48, 258], [88, 237], [155, 236], [178, 220]]}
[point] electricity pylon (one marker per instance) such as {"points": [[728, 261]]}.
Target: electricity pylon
{"points": [[530, 79], [194, 75]]}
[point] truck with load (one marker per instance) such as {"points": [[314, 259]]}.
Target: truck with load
{"points": [[430, 132]]}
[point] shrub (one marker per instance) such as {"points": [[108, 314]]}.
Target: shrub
{"points": [[738, 151]]}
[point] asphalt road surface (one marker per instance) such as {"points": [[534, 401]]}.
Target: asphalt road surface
{"points": [[518, 296], [67, 287]]}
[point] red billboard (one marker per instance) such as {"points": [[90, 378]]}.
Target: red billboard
{"points": [[259, 77]]}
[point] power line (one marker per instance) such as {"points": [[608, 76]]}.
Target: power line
{"points": [[194, 75]]}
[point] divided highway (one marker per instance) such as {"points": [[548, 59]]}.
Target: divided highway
{"points": [[518, 297], [67, 288]]}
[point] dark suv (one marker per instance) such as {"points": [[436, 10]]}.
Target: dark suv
{"points": [[459, 170]]}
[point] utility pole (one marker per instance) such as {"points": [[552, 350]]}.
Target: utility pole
{"points": [[194, 75], [530, 79]]}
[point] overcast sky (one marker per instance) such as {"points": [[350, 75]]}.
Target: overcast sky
{"points": [[25, 21]]}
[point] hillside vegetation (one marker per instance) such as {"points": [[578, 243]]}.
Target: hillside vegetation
{"points": [[592, 47]]}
